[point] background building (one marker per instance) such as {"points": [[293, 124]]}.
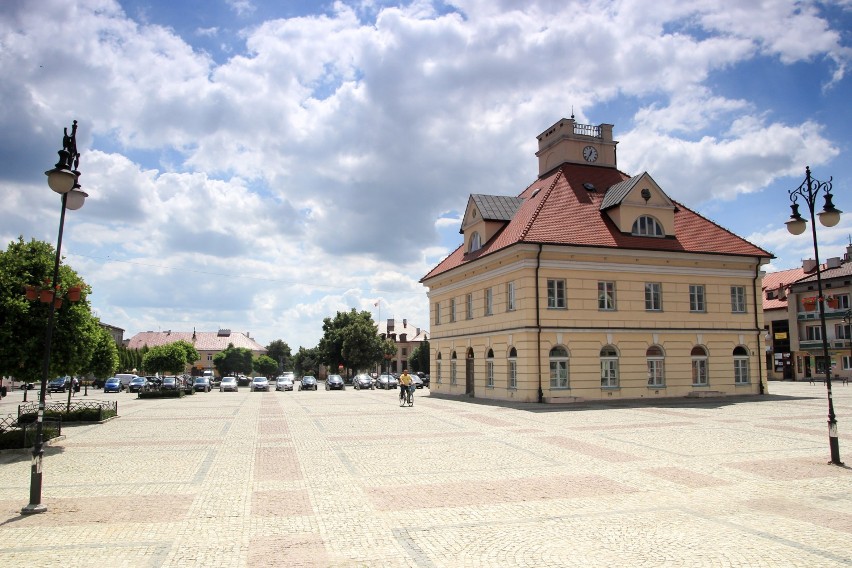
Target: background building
{"points": [[592, 284], [207, 343], [407, 336]]}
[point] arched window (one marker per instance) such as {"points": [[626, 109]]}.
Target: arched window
{"points": [[656, 366], [647, 226], [513, 368], [438, 367], [609, 367], [741, 370], [475, 242], [699, 366], [453, 375], [489, 368], [559, 368]]}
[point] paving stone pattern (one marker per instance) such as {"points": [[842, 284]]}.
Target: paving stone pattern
{"points": [[340, 479]]}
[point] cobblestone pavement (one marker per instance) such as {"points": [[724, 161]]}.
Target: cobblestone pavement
{"points": [[317, 479]]}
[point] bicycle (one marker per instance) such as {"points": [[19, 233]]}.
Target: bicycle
{"points": [[406, 395]]}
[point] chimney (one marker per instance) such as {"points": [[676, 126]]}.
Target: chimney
{"points": [[808, 265], [833, 262], [390, 325], [404, 323]]}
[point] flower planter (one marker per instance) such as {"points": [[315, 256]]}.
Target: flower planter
{"points": [[31, 293], [57, 303], [46, 296], [73, 293], [833, 303]]}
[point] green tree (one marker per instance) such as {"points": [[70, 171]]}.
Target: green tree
{"points": [[23, 323], [233, 361], [265, 365], [165, 359], [388, 351], [306, 361], [419, 358], [350, 339], [279, 351], [104, 361], [191, 353]]}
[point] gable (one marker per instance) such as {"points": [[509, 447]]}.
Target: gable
{"points": [[639, 196], [484, 216]]}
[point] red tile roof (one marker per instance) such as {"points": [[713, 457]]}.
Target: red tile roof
{"points": [[559, 210], [774, 280], [204, 340]]}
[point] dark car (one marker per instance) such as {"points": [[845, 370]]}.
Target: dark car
{"points": [[170, 383], [387, 382], [113, 384], [363, 381], [201, 384], [138, 384], [335, 382], [416, 381], [27, 386], [59, 384], [308, 382], [425, 378]]}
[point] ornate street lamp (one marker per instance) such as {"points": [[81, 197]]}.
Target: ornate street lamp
{"points": [[63, 179], [796, 225]]}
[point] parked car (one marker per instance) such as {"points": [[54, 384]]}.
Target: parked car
{"points": [[113, 384], [27, 386], [259, 383], [170, 383], [334, 382], [425, 378], [387, 382], [201, 384], [228, 384], [416, 381], [363, 381], [308, 382], [284, 383], [59, 384], [138, 384]]}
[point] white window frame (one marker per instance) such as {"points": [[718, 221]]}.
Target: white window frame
{"points": [[558, 368], [510, 296], [512, 369], [653, 297], [738, 299], [489, 369], [656, 369], [437, 313], [489, 301], [475, 242], [606, 296], [813, 333], [609, 367], [452, 310], [697, 298], [741, 370], [453, 371], [700, 370], [469, 304], [556, 294], [647, 226]]}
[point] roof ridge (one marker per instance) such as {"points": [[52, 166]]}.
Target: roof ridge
{"points": [[534, 216]]}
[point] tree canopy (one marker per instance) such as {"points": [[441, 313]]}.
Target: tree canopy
{"points": [[104, 361], [265, 365], [171, 358], [306, 361], [350, 339], [419, 358], [233, 361], [279, 351], [23, 323]]}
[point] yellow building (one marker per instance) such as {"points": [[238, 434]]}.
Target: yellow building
{"points": [[592, 284]]}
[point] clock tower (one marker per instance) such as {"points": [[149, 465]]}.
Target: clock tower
{"points": [[569, 142]]}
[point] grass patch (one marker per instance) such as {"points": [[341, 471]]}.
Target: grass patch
{"points": [[178, 393]]}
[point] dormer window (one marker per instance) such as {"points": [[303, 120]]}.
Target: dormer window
{"points": [[475, 242], [647, 226]]}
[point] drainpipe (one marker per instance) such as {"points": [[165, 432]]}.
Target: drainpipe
{"points": [[761, 355], [538, 321]]}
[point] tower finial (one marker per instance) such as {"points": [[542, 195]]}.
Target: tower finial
{"points": [[572, 112]]}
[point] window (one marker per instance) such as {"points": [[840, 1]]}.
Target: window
{"points": [[489, 301], [653, 296], [209, 356], [813, 333], [847, 362], [842, 331], [741, 366], [405, 351], [699, 366], [656, 366], [489, 368], [438, 368], [647, 226], [510, 296], [452, 310], [513, 368], [606, 295], [559, 368], [437, 313], [453, 376], [696, 298], [555, 293], [469, 306], [475, 242], [609, 367], [738, 301]]}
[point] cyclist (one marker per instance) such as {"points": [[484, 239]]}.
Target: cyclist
{"points": [[405, 386]]}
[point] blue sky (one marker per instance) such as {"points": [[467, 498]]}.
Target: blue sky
{"points": [[261, 165]]}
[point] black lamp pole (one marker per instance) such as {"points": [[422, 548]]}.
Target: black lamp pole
{"points": [[62, 179], [829, 217]]}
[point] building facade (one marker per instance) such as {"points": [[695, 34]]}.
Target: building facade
{"points": [[207, 343], [592, 284], [407, 337]]}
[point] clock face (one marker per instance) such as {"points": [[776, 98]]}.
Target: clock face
{"points": [[590, 154]]}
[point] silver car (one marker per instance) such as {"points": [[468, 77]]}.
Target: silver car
{"points": [[259, 383], [284, 383], [363, 381], [387, 382], [229, 384]]}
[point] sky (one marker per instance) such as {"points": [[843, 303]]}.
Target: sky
{"points": [[260, 165]]}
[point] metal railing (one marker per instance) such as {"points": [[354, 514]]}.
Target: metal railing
{"points": [[61, 407], [10, 426], [587, 130]]}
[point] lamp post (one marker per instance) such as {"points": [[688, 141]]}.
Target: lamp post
{"points": [[62, 179], [847, 319], [796, 225]]}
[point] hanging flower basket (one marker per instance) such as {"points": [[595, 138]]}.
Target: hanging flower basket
{"points": [[73, 293], [31, 293], [46, 295], [57, 303], [833, 302]]}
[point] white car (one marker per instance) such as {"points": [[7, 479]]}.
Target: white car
{"points": [[259, 383], [229, 384], [284, 383]]}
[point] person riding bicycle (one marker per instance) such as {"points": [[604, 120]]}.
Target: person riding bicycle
{"points": [[405, 385]]}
